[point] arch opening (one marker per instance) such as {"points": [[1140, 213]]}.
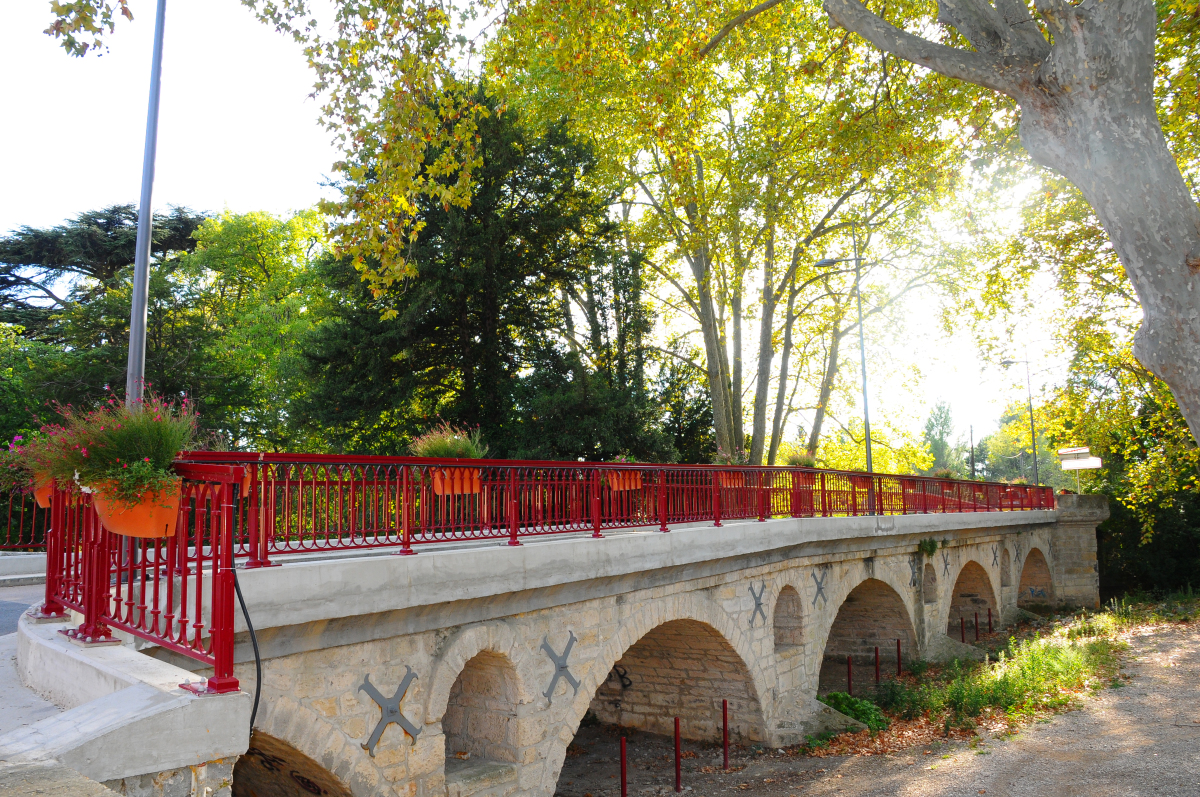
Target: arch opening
{"points": [[872, 615], [682, 668], [479, 722], [789, 622], [1005, 569], [1037, 586], [273, 768], [929, 584], [973, 596]]}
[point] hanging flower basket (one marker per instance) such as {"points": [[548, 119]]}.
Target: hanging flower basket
{"points": [[620, 480], [43, 489], [153, 517], [457, 481]]}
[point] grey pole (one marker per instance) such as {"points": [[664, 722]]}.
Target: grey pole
{"points": [[1032, 427], [862, 352], [135, 372]]}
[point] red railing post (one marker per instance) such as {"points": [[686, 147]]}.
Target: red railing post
{"points": [[678, 762], [404, 507], [513, 520], [95, 576], [849, 675], [877, 665], [898, 669], [662, 500], [824, 499], [795, 502], [716, 497], [764, 496], [596, 504], [55, 556], [223, 598], [725, 733]]}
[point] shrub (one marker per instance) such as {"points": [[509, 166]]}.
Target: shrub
{"points": [[449, 442], [737, 457], [864, 711], [801, 459], [944, 473], [928, 546]]}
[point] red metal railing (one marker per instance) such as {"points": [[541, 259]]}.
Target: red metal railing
{"points": [[178, 592], [298, 503], [24, 528]]}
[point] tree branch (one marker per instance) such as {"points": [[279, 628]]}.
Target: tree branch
{"points": [[735, 22], [949, 61]]}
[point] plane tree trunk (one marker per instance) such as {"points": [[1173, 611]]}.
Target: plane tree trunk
{"points": [[1088, 112]]}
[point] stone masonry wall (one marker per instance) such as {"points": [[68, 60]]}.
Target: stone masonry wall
{"points": [[682, 669], [684, 642]]}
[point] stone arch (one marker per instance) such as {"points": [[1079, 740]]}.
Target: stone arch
{"points": [[481, 710], [788, 620], [497, 638], [1005, 569], [873, 614], [273, 766], [929, 584], [972, 594], [1037, 585], [315, 737], [688, 606]]}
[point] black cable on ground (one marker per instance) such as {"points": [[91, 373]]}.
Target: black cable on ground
{"points": [[254, 642]]}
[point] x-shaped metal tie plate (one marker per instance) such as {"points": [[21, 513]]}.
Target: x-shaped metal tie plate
{"points": [[820, 582], [390, 709], [914, 565], [758, 603], [945, 565], [995, 555], [560, 666]]}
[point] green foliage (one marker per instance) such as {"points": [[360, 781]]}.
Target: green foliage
{"points": [[448, 442], [864, 711], [800, 459], [928, 546], [122, 450], [948, 457]]}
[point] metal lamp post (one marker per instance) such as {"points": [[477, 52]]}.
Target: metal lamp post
{"points": [[862, 345], [135, 372], [1032, 427]]}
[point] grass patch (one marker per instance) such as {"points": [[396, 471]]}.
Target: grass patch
{"points": [[864, 711]]}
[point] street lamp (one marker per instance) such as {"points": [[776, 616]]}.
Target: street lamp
{"points": [[862, 345], [135, 371], [1032, 428]]}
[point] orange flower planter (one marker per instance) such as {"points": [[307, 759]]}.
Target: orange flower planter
{"points": [[624, 479], [152, 517], [43, 489], [731, 479], [457, 481]]}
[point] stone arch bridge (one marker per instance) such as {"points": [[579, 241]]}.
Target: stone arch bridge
{"points": [[649, 626], [489, 657]]}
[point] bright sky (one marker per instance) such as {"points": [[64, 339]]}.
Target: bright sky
{"points": [[238, 131]]}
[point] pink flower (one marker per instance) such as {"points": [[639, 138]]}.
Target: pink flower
{"points": [[18, 437], [147, 459]]}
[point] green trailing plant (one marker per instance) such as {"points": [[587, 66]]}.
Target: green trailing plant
{"points": [[928, 546], [864, 711], [445, 441], [126, 452]]}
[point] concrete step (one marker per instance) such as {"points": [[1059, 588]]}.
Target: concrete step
{"points": [[49, 779], [22, 580]]}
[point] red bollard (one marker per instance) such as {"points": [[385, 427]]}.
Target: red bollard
{"points": [[624, 790], [877, 665], [990, 631], [678, 767], [849, 676], [897, 658], [976, 626], [963, 627], [725, 730]]}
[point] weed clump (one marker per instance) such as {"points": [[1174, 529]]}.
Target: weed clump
{"points": [[864, 711]]}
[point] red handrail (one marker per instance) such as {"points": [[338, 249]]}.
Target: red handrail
{"points": [[178, 592]]}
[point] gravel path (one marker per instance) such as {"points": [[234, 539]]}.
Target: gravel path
{"points": [[1143, 739]]}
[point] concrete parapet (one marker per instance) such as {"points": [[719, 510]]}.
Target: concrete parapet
{"points": [[128, 725]]}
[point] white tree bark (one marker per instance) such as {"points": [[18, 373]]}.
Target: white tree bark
{"points": [[1088, 112]]}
